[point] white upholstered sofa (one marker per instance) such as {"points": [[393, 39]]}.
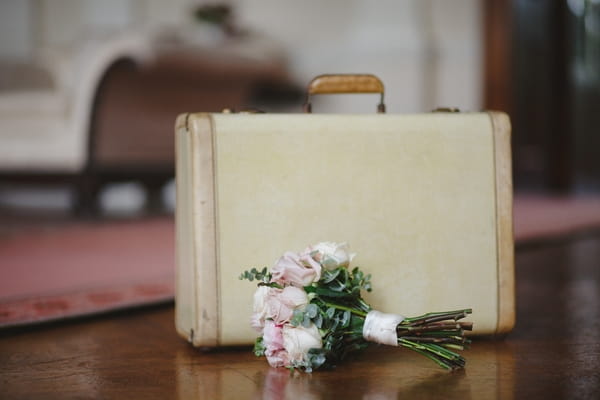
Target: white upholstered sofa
{"points": [[46, 107], [45, 129], [103, 111]]}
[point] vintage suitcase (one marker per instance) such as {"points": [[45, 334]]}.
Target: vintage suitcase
{"points": [[424, 200]]}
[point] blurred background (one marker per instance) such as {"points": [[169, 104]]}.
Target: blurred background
{"points": [[89, 92], [143, 62]]}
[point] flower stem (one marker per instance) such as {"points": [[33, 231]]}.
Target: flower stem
{"points": [[364, 305], [431, 357], [352, 310]]}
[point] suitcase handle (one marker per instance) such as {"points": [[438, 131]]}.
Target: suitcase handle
{"points": [[344, 83]]}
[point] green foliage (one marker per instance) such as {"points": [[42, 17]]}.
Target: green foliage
{"points": [[338, 310], [315, 359], [259, 347], [360, 280], [342, 280], [263, 275]]}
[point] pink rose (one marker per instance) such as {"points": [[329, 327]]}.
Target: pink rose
{"points": [[281, 303], [273, 341], [296, 270], [277, 358], [273, 335]]}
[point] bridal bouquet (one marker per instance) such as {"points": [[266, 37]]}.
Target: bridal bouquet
{"points": [[310, 314]]}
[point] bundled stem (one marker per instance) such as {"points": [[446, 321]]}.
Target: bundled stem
{"points": [[434, 334]]}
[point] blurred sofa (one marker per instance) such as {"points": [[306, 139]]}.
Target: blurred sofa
{"points": [[46, 110], [103, 110]]}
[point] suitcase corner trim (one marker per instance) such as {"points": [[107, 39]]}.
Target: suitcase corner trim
{"points": [[504, 221]]}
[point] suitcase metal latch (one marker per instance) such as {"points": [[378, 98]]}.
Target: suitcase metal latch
{"points": [[446, 110]]}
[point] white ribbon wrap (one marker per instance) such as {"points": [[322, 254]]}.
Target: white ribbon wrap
{"points": [[381, 327]]}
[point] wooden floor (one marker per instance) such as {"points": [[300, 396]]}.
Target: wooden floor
{"points": [[554, 352]]}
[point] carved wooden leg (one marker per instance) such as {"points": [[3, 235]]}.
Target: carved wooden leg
{"points": [[86, 203], [154, 200]]}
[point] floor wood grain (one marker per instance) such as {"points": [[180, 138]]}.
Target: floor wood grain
{"points": [[554, 352]]}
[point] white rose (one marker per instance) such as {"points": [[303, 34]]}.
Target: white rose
{"points": [[331, 255], [297, 340], [261, 296]]}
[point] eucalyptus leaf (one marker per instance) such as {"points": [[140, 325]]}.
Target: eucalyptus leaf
{"points": [[310, 289], [329, 276], [259, 347], [306, 321], [330, 312], [318, 321], [337, 286], [297, 318], [317, 357], [334, 324], [345, 319]]}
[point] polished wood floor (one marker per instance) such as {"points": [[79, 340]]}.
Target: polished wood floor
{"points": [[554, 352]]}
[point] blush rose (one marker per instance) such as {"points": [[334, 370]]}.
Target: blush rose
{"points": [[296, 270], [281, 305], [297, 340]]}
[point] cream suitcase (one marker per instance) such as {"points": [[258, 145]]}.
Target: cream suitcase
{"points": [[424, 200]]}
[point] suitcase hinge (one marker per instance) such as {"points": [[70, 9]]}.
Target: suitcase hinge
{"points": [[245, 111]]}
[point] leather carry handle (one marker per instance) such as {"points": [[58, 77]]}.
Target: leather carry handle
{"points": [[344, 83]]}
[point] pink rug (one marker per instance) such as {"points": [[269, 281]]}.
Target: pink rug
{"points": [[541, 218], [84, 268]]}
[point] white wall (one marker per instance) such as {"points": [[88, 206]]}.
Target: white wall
{"points": [[16, 35], [60, 22], [458, 33], [427, 52]]}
